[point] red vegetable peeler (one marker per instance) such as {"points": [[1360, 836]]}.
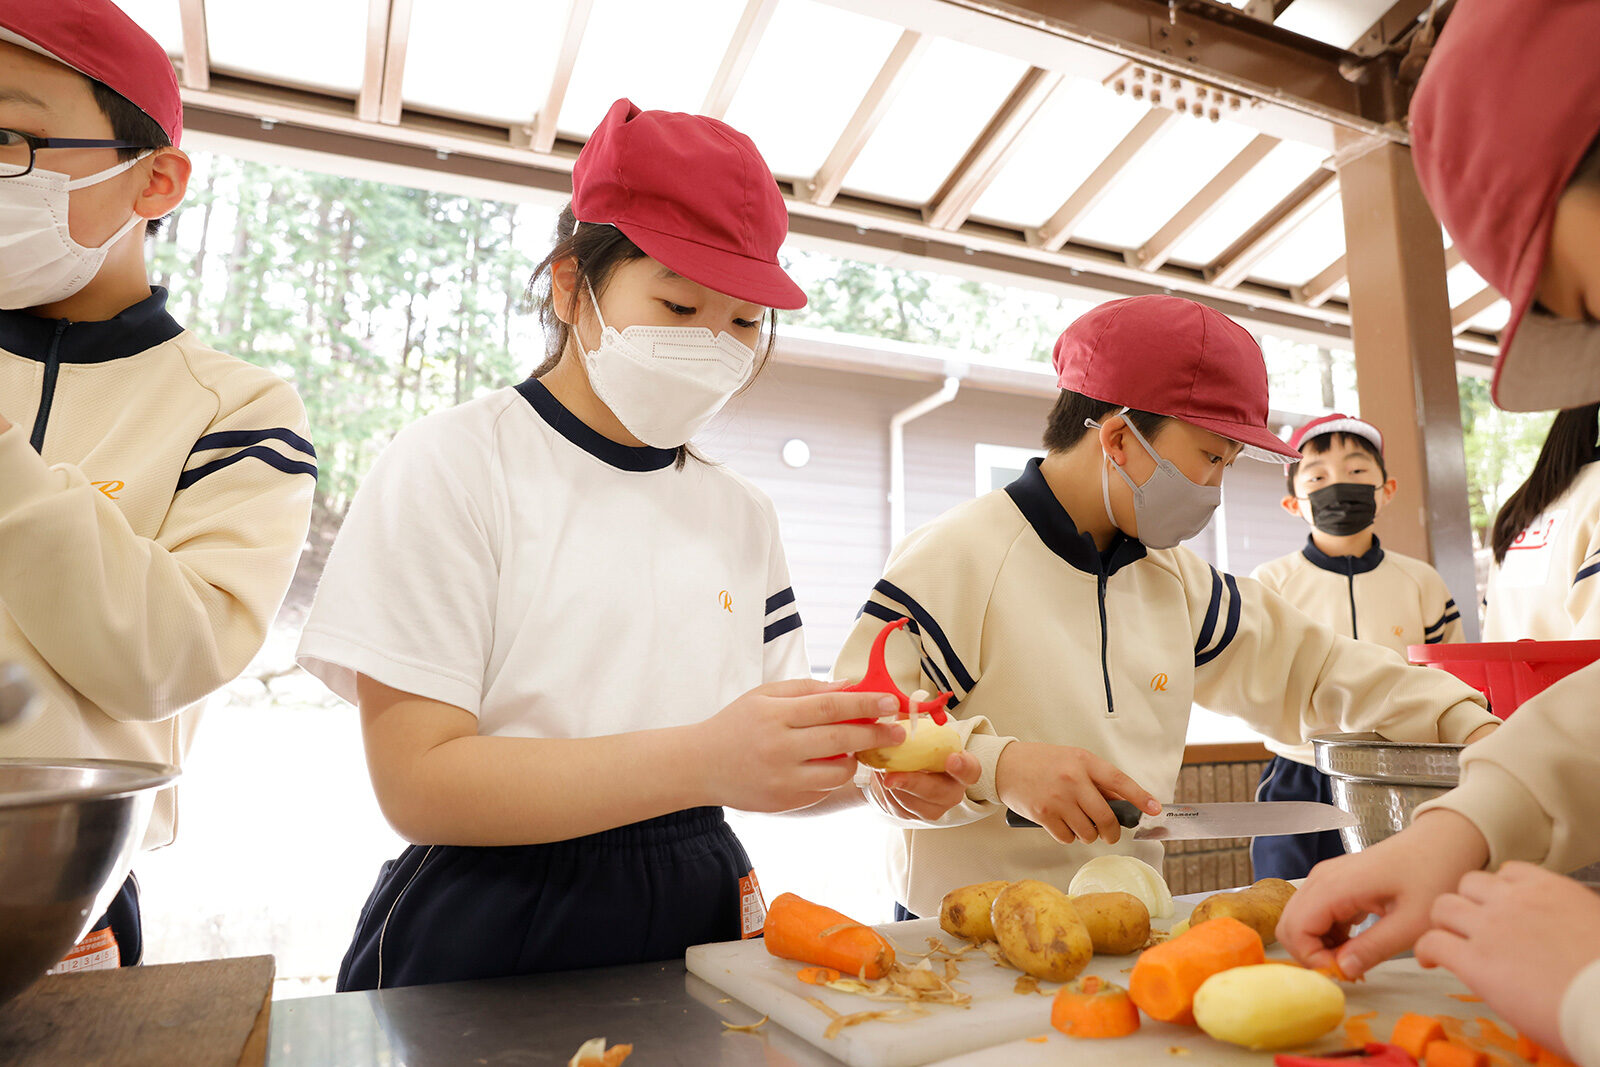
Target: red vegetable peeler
{"points": [[1372, 1055], [878, 680]]}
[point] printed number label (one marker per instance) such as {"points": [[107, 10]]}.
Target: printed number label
{"points": [[752, 909]]}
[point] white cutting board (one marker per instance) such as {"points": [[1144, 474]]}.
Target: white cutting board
{"points": [[995, 1028]]}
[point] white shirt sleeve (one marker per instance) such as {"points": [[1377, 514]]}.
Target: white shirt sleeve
{"points": [[408, 594], [1580, 1023], [784, 641]]}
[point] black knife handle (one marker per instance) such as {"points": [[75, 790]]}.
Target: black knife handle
{"points": [[1127, 813]]}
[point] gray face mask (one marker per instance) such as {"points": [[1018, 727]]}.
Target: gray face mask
{"points": [[1168, 507]]}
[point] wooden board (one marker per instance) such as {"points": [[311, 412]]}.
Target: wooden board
{"points": [[210, 1013], [995, 1029]]}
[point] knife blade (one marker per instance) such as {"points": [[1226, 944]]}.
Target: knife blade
{"points": [[1184, 822]]}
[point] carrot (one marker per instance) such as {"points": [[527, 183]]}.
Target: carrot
{"points": [[1450, 1054], [1090, 1007], [1492, 1034], [810, 933], [1358, 1030], [1414, 1032], [1537, 1054], [817, 975], [1166, 977]]}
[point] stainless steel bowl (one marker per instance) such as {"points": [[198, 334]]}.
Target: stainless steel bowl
{"points": [[1382, 783], [69, 830]]}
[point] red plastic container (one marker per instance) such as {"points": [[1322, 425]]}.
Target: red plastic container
{"points": [[1508, 672]]}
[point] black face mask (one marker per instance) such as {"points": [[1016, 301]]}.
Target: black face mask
{"points": [[1343, 508]]}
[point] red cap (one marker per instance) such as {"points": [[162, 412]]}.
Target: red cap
{"points": [[1508, 105], [1336, 423], [96, 39], [1172, 356], [693, 193]]}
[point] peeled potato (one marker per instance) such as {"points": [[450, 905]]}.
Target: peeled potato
{"points": [[965, 911], [1118, 923], [926, 748], [1040, 931], [1268, 1006]]}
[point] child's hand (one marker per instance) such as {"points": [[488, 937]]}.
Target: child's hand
{"points": [[771, 749], [928, 795], [1065, 790], [1398, 878], [1517, 939]]}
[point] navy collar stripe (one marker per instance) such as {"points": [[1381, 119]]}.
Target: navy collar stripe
{"points": [[889, 591], [1038, 504], [1361, 564], [623, 457], [136, 329]]}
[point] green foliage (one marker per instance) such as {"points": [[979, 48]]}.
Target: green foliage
{"points": [[379, 302], [1500, 447]]}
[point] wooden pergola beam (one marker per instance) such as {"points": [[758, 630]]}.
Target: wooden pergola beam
{"points": [[992, 150], [1317, 291], [1236, 263], [388, 33], [1470, 308], [542, 137], [196, 45], [736, 60], [1158, 249], [1057, 230], [829, 179]]}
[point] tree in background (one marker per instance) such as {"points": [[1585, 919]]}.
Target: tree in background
{"points": [[1501, 447]]}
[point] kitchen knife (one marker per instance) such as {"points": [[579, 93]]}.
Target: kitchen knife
{"points": [[1181, 822]]}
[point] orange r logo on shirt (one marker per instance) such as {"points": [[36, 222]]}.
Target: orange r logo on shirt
{"points": [[1398, 632], [1158, 684], [725, 598], [110, 489]]}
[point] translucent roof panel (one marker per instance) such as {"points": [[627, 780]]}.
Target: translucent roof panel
{"points": [[1340, 23], [796, 130], [650, 52], [321, 44], [1493, 319], [945, 103], [1078, 127], [1161, 179], [1307, 250], [158, 18], [511, 68], [1274, 178], [1464, 283]]}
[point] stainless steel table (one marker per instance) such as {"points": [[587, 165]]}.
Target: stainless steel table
{"points": [[669, 1015]]}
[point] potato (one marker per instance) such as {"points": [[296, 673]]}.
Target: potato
{"points": [[965, 911], [1268, 1006], [1258, 907], [1118, 923], [1040, 931], [926, 748]]}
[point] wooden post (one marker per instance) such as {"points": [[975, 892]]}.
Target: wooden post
{"points": [[1405, 362]]}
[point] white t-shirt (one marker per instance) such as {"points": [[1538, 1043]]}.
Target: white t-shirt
{"points": [[1548, 586], [504, 558]]}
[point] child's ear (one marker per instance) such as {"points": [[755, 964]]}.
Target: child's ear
{"points": [[1386, 491], [564, 294], [1291, 504], [169, 180], [1113, 439]]}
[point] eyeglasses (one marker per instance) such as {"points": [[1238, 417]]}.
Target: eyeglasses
{"points": [[17, 149]]}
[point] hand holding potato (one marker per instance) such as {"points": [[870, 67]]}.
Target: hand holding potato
{"points": [[928, 795], [1065, 790]]}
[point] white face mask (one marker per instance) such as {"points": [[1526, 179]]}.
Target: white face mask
{"points": [[1168, 508], [40, 263], [664, 383]]}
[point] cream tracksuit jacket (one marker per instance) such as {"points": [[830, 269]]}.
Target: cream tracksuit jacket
{"points": [[1380, 597], [1040, 637], [154, 498], [1548, 586]]}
